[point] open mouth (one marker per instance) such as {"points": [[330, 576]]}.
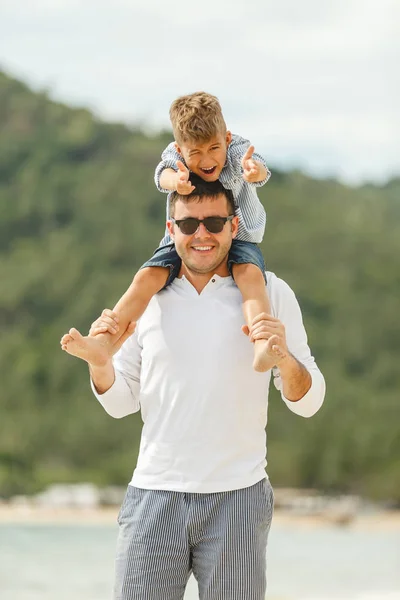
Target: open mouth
{"points": [[209, 171]]}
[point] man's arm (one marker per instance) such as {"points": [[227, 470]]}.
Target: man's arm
{"points": [[292, 378], [296, 380], [102, 377], [116, 384], [296, 374]]}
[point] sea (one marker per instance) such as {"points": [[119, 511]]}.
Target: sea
{"points": [[75, 562]]}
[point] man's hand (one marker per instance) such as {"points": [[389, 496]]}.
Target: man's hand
{"points": [[295, 377], [266, 327], [108, 322], [183, 185], [252, 172]]}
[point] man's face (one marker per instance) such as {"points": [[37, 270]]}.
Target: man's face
{"points": [[203, 252], [206, 159]]}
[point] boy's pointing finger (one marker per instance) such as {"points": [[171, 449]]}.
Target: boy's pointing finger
{"points": [[182, 167], [249, 153]]}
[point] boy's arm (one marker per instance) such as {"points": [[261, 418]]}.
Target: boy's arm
{"points": [[171, 173], [169, 159], [176, 180], [167, 180], [254, 171], [239, 151]]}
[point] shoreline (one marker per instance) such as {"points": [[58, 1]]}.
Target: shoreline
{"points": [[35, 515]]}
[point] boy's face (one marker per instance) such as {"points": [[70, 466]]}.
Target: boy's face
{"points": [[206, 159]]}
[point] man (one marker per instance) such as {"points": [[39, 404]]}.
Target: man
{"points": [[199, 500]]}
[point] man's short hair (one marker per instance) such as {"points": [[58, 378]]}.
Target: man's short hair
{"points": [[196, 118], [203, 189]]}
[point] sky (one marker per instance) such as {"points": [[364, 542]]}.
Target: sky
{"points": [[313, 84]]}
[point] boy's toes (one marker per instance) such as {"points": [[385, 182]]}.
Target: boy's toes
{"points": [[65, 339], [75, 335]]}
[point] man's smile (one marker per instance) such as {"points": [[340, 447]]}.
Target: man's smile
{"points": [[202, 249]]}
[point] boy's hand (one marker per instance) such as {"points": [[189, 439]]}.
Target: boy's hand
{"points": [[183, 185], [251, 168]]}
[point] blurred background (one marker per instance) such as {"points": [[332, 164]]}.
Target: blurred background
{"points": [[85, 89]]}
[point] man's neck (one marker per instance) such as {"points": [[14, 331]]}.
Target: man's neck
{"points": [[200, 280]]}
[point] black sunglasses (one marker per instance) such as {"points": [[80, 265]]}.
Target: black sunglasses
{"points": [[190, 225]]}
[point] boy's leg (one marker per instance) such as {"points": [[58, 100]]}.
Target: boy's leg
{"points": [[161, 269], [248, 271], [251, 284]]}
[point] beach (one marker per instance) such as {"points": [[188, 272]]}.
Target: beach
{"points": [[29, 513]]}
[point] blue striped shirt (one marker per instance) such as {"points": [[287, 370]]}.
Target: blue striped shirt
{"points": [[251, 213]]}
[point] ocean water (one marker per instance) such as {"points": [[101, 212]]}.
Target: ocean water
{"points": [[75, 562]]}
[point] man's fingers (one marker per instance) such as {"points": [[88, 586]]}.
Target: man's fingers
{"points": [[107, 318], [96, 330], [264, 317], [109, 313], [261, 333], [261, 330], [266, 325], [102, 325]]}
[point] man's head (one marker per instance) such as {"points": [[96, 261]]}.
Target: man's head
{"points": [[201, 250], [200, 133]]}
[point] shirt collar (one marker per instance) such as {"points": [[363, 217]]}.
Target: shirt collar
{"points": [[216, 282]]}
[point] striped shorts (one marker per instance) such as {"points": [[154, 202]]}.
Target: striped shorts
{"points": [[221, 538]]}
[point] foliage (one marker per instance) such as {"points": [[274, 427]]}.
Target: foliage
{"points": [[79, 213]]}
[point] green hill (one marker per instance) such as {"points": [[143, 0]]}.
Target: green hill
{"points": [[79, 213]]}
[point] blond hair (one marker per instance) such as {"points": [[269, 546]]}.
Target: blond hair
{"points": [[196, 117]]}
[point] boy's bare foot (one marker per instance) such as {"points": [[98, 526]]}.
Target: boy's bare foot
{"points": [[88, 348], [263, 361]]}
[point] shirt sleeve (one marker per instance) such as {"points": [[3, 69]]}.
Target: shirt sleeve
{"points": [[122, 398], [287, 309], [168, 161], [236, 150]]}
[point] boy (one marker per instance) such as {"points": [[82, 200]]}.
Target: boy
{"points": [[202, 146]]}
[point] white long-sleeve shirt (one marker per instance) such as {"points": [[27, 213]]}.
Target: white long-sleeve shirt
{"points": [[188, 368], [248, 208]]}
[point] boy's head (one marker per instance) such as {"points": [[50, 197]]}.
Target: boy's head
{"points": [[200, 133]]}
